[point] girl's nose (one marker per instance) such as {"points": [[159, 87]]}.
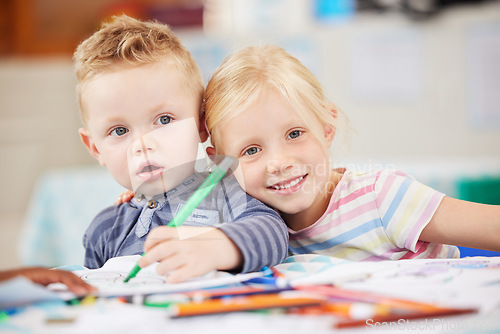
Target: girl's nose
{"points": [[279, 164]]}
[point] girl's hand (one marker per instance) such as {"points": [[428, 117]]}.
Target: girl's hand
{"points": [[46, 276], [124, 197], [186, 252]]}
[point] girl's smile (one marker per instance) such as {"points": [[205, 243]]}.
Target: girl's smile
{"points": [[288, 186]]}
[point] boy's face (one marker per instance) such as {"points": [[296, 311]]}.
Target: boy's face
{"points": [[143, 125], [281, 162]]}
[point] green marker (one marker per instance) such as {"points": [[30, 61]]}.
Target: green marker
{"points": [[133, 272], [199, 195]]}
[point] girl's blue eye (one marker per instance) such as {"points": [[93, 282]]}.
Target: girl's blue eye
{"points": [[295, 134], [164, 120], [119, 131], [252, 151]]}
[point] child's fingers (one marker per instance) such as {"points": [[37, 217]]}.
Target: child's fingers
{"points": [[159, 235], [46, 276], [182, 274], [170, 264], [157, 253], [183, 266], [124, 197], [76, 284]]}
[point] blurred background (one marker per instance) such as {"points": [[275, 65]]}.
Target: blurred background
{"points": [[418, 80]]}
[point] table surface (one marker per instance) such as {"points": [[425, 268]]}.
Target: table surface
{"points": [[468, 282]]}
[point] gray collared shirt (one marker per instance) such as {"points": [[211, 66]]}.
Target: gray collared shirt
{"points": [[257, 230]]}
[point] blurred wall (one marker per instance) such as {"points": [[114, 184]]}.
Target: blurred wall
{"points": [[38, 131], [410, 90]]}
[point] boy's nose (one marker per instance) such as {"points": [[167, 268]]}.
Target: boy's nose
{"points": [[143, 144]]}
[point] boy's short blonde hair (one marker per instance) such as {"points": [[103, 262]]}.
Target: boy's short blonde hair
{"points": [[244, 75], [126, 41]]}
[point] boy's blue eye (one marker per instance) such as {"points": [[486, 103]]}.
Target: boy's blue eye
{"points": [[119, 131], [163, 120], [252, 151], [295, 134]]}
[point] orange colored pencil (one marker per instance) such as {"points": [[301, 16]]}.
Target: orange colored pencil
{"points": [[360, 296], [246, 303]]}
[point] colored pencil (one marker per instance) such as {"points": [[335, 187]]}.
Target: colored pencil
{"points": [[246, 303]]}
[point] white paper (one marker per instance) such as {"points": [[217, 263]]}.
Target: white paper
{"points": [[109, 279], [468, 282]]}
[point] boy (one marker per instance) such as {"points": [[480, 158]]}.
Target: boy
{"points": [[140, 94]]}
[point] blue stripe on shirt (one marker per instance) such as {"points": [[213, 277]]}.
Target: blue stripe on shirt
{"points": [[396, 201], [340, 239]]}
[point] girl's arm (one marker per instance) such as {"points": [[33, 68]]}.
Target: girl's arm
{"points": [[463, 223]]}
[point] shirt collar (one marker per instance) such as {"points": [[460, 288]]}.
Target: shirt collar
{"points": [[188, 185]]}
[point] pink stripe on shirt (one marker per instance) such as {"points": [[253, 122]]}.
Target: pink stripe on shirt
{"points": [[424, 218], [422, 247], [349, 198], [342, 219], [385, 189]]}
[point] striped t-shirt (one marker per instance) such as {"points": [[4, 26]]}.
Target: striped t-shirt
{"points": [[374, 216]]}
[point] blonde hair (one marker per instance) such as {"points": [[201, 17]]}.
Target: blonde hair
{"points": [[243, 76], [127, 41]]}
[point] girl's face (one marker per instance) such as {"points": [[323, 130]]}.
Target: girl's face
{"points": [[282, 162]]}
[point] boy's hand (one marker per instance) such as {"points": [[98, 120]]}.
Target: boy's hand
{"points": [[45, 276], [191, 256], [124, 197]]}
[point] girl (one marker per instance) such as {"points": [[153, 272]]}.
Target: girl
{"points": [[265, 108]]}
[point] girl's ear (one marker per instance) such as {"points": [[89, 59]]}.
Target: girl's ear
{"points": [[212, 154], [89, 144], [330, 129], [210, 151]]}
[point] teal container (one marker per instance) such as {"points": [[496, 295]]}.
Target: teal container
{"points": [[484, 190]]}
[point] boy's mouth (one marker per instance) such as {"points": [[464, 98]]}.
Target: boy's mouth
{"points": [[149, 172], [290, 184], [149, 169]]}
